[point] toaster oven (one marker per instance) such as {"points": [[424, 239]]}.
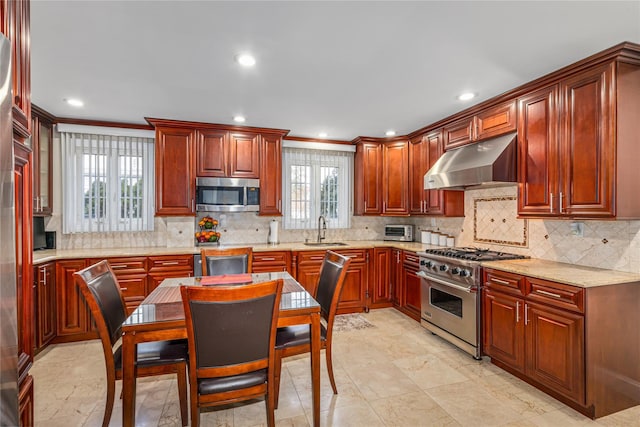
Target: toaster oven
{"points": [[401, 233]]}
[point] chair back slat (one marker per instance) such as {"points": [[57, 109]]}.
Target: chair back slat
{"points": [[216, 262], [330, 283]]}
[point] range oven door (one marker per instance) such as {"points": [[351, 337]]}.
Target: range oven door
{"points": [[450, 307]]}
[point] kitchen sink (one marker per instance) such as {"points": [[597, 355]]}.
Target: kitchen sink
{"points": [[325, 244]]}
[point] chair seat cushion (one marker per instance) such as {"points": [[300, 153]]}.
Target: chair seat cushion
{"points": [[235, 382], [292, 336], [157, 353]]}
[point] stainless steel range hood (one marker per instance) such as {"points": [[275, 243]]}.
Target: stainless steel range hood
{"points": [[485, 164]]}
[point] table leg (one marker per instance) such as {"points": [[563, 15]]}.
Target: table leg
{"points": [[128, 380], [315, 366]]}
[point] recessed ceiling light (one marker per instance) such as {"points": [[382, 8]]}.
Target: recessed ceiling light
{"points": [[323, 134], [73, 102], [390, 132], [246, 60], [239, 119], [466, 96]]}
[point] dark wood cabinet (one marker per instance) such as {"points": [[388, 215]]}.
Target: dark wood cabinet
{"points": [[395, 178], [424, 151], [73, 316], [41, 144], [410, 300], [45, 304], [503, 329], [165, 266], [271, 175], [368, 179], [175, 171], [131, 273], [493, 121], [26, 403], [15, 25], [211, 159], [244, 155], [379, 291], [220, 153], [265, 262]]}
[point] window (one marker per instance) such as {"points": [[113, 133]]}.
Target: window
{"points": [[316, 182], [108, 183]]}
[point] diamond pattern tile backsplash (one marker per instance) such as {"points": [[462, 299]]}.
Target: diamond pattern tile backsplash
{"points": [[605, 244]]}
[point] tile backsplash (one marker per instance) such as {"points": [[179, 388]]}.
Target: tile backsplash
{"points": [[604, 244]]}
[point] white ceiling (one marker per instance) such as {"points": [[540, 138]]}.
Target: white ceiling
{"points": [[346, 68]]}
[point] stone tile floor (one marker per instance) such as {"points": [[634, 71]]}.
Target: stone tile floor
{"points": [[392, 374]]}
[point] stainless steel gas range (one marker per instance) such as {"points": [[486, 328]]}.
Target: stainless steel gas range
{"points": [[451, 284]]}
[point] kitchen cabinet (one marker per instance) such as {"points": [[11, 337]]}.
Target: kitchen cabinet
{"points": [[45, 307], [264, 262], [379, 292], [131, 273], [353, 297], [569, 341], [221, 153], [395, 178], [424, 150], [490, 122], [72, 314], [577, 149], [15, 25], [165, 266], [410, 301], [396, 273], [271, 175], [175, 171], [26, 403], [41, 140], [368, 178]]}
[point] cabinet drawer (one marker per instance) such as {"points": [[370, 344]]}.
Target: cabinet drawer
{"points": [[172, 262], [133, 285], [410, 258], [356, 255], [555, 294], [506, 282], [270, 257], [310, 257], [128, 265]]}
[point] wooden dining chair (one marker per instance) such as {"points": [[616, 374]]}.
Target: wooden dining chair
{"points": [[101, 291], [292, 340], [231, 332], [216, 262]]}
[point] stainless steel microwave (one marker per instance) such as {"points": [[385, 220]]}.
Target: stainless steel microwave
{"points": [[227, 195], [401, 233]]}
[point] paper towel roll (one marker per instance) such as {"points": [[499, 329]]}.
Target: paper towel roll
{"points": [[273, 232]]}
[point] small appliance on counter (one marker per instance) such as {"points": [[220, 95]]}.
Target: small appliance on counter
{"points": [[399, 233]]}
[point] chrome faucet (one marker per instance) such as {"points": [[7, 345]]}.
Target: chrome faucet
{"points": [[322, 222]]}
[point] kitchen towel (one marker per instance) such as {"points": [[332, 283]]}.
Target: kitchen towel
{"points": [[226, 279]]}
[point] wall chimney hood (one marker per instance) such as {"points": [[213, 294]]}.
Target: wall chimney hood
{"points": [[488, 163]]}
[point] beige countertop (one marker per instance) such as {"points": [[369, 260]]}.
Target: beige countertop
{"points": [[43, 256], [571, 274]]}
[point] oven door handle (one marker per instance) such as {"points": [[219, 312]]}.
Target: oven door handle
{"points": [[423, 275]]}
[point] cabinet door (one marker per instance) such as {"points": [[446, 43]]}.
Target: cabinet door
{"points": [[271, 175], [308, 276], [396, 273], [380, 283], [26, 403], [265, 262], [418, 166], [244, 155], [154, 279], [555, 350], [43, 170], [458, 133], [16, 26], [45, 276], [395, 178], [503, 325], [587, 143], [538, 155], [175, 180], [411, 301], [210, 153], [73, 313], [495, 121], [352, 298], [368, 179]]}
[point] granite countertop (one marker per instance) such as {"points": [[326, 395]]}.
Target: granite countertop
{"points": [[43, 256], [570, 274]]}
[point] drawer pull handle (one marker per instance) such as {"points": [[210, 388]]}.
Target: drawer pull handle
{"points": [[317, 257], [410, 258], [502, 282], [266, 259], [124, 289], [170, 263], [517, 311], [119, 266], [550, 294]]}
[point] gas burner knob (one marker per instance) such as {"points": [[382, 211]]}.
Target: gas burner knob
{"points": [[465, 273], [455, 270], [444, 267]]}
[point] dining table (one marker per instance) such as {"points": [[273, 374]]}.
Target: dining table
{"points": [[160, 317]]}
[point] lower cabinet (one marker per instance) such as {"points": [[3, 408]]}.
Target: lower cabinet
{"points": [[73, 316], [265, 262], [166, 266], [131, 273], [569, 341], [45, 304], [25, 402], [379, 292], [396, 274], [409, 285]]}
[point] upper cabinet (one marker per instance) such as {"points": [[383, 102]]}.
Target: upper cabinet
{"points": [[395, 178], [424, 150], [14, 24], [368, 178], [175, 167], [271, 175], [41, 140], [578, 145], [227, 154], [490, 122]]}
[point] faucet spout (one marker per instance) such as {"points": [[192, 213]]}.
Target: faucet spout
{"points": [[322, 228]]}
